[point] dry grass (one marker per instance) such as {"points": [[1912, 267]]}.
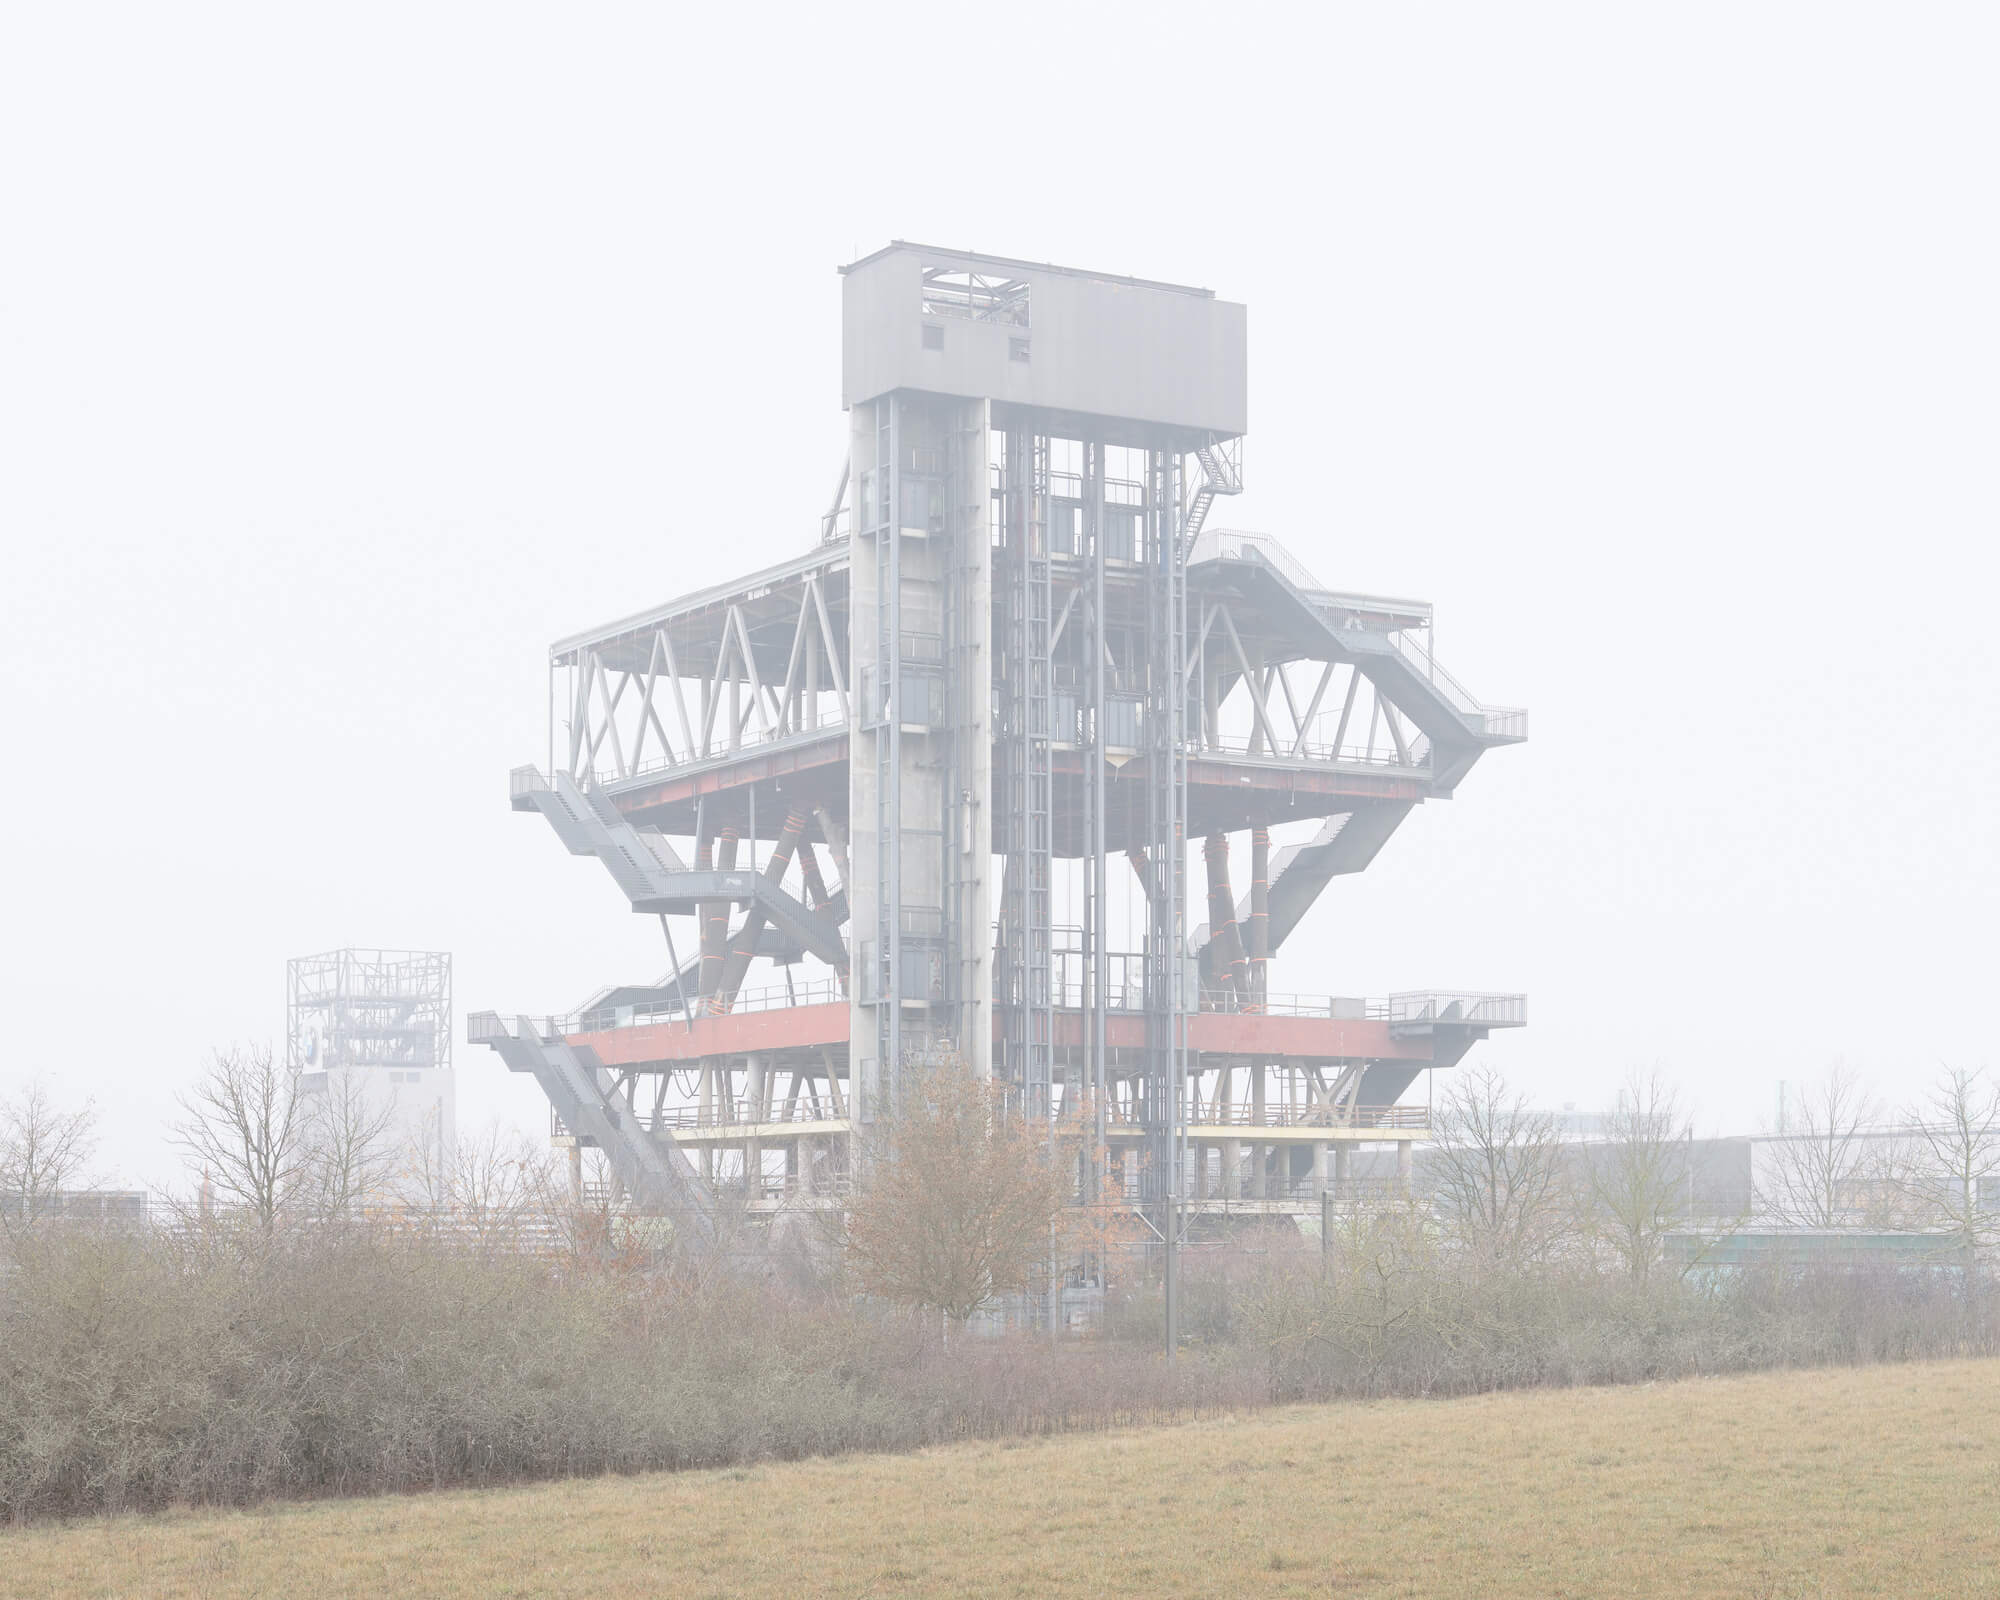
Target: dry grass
{"points": [[1874, 1481]]}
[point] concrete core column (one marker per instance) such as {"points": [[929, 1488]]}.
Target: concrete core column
{"points": [[1406, 1165]]}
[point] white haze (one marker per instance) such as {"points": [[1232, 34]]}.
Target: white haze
{"points": [[349, 355]]}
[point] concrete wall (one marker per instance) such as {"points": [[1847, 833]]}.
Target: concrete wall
{"points": [[422, 1108]]}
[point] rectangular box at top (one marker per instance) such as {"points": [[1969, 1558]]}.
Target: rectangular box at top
{"points": [[1020, 334]]}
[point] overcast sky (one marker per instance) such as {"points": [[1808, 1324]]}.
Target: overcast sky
{"points": [[345, 364]]}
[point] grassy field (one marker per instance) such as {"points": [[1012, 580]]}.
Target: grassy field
{"points": [[1881, 1481]]}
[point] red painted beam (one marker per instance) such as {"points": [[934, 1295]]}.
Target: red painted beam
{"points": [[1274, 1037], [739, 1033], [1315, 780]]}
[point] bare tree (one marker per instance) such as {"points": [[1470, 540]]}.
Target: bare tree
{"points": [[350, 1153], [1640, 1180], [44, 1150], [496, 1183], [424, 1171], [1502, 1185], [244, 1128], [958, 1201], [1953, 1168], [1819, 1164]]}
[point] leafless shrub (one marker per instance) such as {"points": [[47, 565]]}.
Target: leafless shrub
{"points": [[518, 1328], [225, 1362]]}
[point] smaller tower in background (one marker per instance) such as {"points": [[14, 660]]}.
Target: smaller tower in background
{"points": [[371, 1029]]}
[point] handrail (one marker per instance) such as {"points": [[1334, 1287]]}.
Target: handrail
{"points": [[1429, 1005], [603, 1019], [817, 727], [1322, 1116], [1350, 755], [734, 1116]]}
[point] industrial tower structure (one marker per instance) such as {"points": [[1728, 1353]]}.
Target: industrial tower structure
{"points": [[937, 780], [376, 1025]]}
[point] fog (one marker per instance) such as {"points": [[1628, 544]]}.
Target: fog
{"points": [[346, 363]]}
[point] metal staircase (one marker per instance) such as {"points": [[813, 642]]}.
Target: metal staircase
{"points": [[654, 1172], [1345, 843], [653, 877], [1221, 474], [1458, 725]]}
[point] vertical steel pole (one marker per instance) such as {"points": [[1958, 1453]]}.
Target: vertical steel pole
{"points": [[1099, 798]]}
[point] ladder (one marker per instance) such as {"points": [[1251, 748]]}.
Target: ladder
{"points": [[1028, 1024]]}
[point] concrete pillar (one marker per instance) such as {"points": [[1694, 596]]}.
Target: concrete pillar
{"points": [[1406, 1165], [1343, 1169], [1232, 1169], [1319, 1169]]}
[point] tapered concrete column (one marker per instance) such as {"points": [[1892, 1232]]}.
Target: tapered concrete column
{"points": [[1406, 1165]]}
